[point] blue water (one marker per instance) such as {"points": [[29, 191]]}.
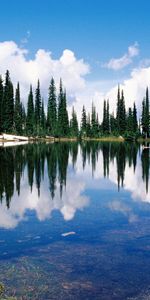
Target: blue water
{"points": [[77, 227]]}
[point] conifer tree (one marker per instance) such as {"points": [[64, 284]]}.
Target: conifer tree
{"points": [[38, 106], [107, 117], [52, 109], [8, 105], [105, 123], [93, 121], [121, 112], [63, 120], [30, 113], [1, 103], [74, 130], [88, 126], [130, 121], [145, 119], [113, 124], [83, 121], [147, 114], [135, 122], [65, 117], [17, 112], [23, 118], [43, 118]]}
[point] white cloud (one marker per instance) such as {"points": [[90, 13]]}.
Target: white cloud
{"points": [[73, 71], [119, 63], [43, 67]]}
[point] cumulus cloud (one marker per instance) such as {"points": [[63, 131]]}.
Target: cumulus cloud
{"points": [[73, 71], [42, 67], [120, 63]]}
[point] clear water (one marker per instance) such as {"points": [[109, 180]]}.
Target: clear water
{"points": [[75, 221]]}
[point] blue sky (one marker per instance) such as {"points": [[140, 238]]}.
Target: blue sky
{"points": [[112, 38], [95, 30]]}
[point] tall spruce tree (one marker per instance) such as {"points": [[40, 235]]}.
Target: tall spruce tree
{"points": [[108, 117], [52, 109], [121, 112], [1, 103], [30, 113], [43, 119], [74, 130], [135, 122], [93, 121], [63, 120], [38, 106], [8, 105], [65, 116], [130, 121], [145, 119], [23, 118], [60, 109], [105, 123], [147, 114], [88, 125], [113, 124], [83, 121], [17, 112]]}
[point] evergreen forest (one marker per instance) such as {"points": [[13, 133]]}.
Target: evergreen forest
{"points": [[51, 119]]}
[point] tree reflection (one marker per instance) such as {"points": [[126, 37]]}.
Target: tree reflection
{"points": [[52, 160]]}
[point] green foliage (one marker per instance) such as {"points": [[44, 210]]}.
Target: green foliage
{"points": [[52, 109], [121, 113], [38, 107], [30, 114], [106, 120], [34, 122], [1, 102], [83, 122], [8, 105], [145, 119], [63, 120], [18, 112], [74, 130]]}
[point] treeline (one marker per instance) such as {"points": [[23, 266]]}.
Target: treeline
{"points": [[35, 120], [32, 160]]}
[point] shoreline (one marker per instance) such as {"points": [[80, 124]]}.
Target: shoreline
{"points": [[119, 139]]}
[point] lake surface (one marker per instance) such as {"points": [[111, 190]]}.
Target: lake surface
{"points": [[75, 221]]}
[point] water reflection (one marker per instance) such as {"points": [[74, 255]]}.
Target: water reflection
{"points": [[47, 177]]}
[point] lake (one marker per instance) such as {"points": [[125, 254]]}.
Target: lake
{"points": [[75, 221]]}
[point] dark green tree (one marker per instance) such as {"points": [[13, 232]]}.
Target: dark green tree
{"points": [[1, 103], [145, 120], [113, 124], [43, 118], [63, 120], [135, 122], [52, 109], [74, 130], [130, 121], [23, 118], [38, 106], [88, 126], [105, 123], [83, 122], [94, 122], [121, 112], [8, 105], [30, 113], [17, 112]]}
